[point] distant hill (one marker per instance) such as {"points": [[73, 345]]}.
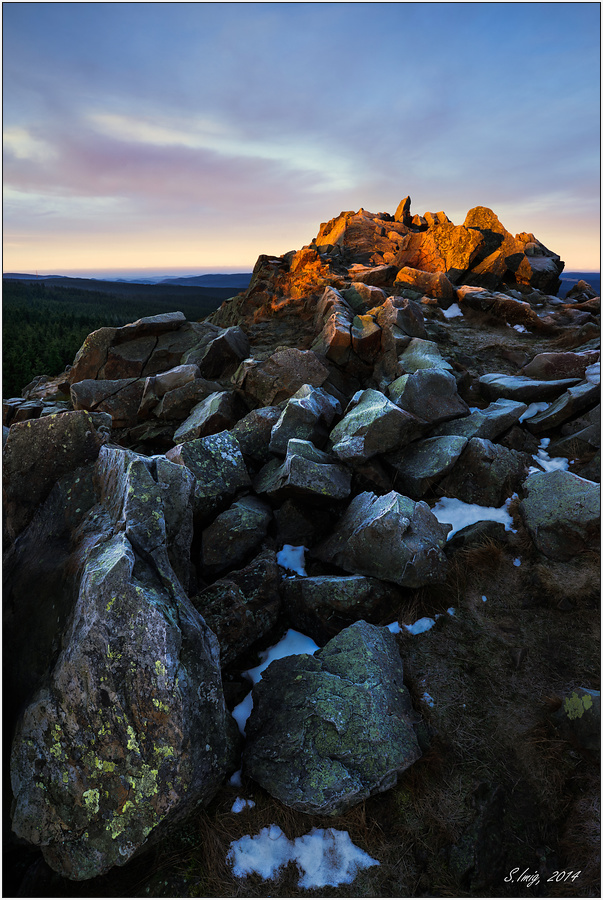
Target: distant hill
{"points": [[238, 280], [212, 296]]}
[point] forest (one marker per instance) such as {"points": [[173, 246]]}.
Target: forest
{"points": [[45, 323]]}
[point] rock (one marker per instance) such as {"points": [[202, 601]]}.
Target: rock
{"points": [[217, 464], [218, 412], [579, 718], [306, 416], [91, 356], [243, 606], [377, 276], [582, 290], [175, 347], [328, 731], [573, 401], [280, 376], [30, 409], [121, 398], [431, 395], [322, 606], [444, 247], [485, 474], [235, 533], [372, 425], [551, 366], [37, 453], [487, 423], [561, 513], [389, 537], [149, 326], [127, 360], [422, 354], [297, 524], [222, 354], [335, 340], [402, 313], [423, 463], [518, 387], [434, 284], [363, 295], [156, 386], [253, 432], [306, 472], [402, 213], [178, 402], [366, 337], [508, 309], [131, 732]]}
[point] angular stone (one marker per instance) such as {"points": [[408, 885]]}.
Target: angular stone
{"points": [[127, 360], [235, 533], [91, 356], [243, 606], [218, 466], [403, 313], [322, 606], [306, 472], [30, 409], [431, 394], [178, 402], [561, 512], [422, 354], [306, 416], [156, 386], [518, 387], [281, 375], [37, 453], [335, 339], [253, 432], [222, 354], [377, 276], [218, 412], [434, 284], [424, 463], [366, 337], [149, 326], [121, 398], [372, 425], [551, 366], [487, 423], [173, 347], [565, 407], [391, 537], [332, 301], [328, 731], [486, 474]]}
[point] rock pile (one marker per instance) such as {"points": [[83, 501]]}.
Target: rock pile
{"points": [[395, 362]]}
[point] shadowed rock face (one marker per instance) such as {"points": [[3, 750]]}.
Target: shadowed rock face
{"points": [[330, 730]]}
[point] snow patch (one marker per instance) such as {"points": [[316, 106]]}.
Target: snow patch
{"points": [[517, 561], [452, 311], [484, 598], [451, 511], [421, 625], [235, 778], [292, 558], [533, 409], [240, 804], [521, 329], [325, 857], [544, 460], [428, 699]]}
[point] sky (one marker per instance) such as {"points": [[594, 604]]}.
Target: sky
{"points": [[192, 137]]}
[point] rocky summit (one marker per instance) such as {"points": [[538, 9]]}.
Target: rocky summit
{"points": [[390, 442]]}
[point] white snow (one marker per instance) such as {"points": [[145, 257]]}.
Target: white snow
{"points": [[428, 699], [517, 561], [395, 628], [593, 373], [520, 328], [454, 512], [240, 804], [453, 311], [323, 856], [235, 778], [548, 464], [292, 558], [484, 598], [532, 409], [451, 611], [420, 625], [291, 644]]}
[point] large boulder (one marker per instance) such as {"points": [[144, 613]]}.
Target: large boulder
{"points": [[390, 537], [434, 284], [307, 416], [235, 533], [130, 733], [281, 375], [119, 398], [306, 472], [488, 423], [423, 463], [485, 474], [217, 412], [430, 395], [372, 424], [328, 731], [562, 513], [37, 453]]}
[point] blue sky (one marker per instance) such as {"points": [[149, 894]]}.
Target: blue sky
{"points": [[194, 136]]}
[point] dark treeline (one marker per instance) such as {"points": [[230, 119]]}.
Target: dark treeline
{"points": [[44, 325]]}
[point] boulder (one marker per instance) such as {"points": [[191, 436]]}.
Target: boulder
{"points": [[431, 395], [422, 354], [306, 472], [402, 313], [402, 213], [335, 340], [217, 464], [254, 430], [519, 387], [127, 360], [235, 533], [323, 605], [424, 463], [372, 424], [565, 407], [222, 354], [487, 423], [328, 731], [218, 412], [307, 416], [366, 337], [434, 284], [561, 512], [551, 366], [121, 398], [156, 386], [91, 356], [243, 606], [391, 537], [150, 326], [178, 402], [130, 734], [37, 453], [281, 375], [485, 474]]}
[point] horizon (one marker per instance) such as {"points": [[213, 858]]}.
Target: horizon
{"points": [[124, 151]]}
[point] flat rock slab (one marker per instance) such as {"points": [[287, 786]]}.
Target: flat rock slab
{"points": [[390, 537], [562, 513], [569, 404], [518, 387], [328, 731], [487, 423]]}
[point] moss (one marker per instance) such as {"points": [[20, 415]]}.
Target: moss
{"points": [[576, 706]]}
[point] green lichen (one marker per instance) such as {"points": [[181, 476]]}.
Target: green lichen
{"points": [[132, 742], [160, 668], [576, 706], [91, 800], [159, 705], [110, 603]]}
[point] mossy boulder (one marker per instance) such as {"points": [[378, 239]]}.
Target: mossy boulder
{"points": [[328, 731], [562, 513]]}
